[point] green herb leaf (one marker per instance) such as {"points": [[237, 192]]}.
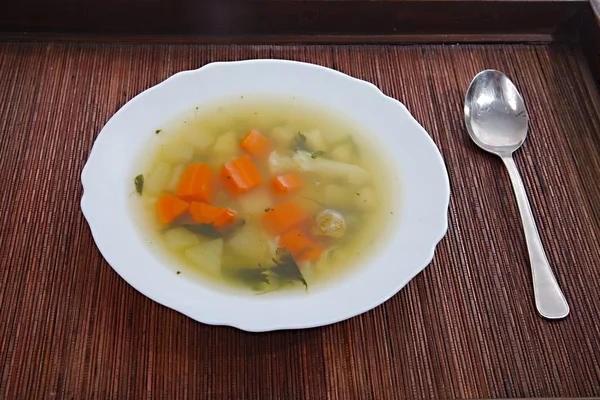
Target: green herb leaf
{"points": [[264, 279], [254, 277], [236, 225], [139, 184], [207, 230], [300, 142], [286, 269], [316, 154]]}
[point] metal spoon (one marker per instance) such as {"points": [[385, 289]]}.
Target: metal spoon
{"points": [[497, 122]]}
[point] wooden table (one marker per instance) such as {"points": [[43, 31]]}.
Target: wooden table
{"points": [[466, 327]]}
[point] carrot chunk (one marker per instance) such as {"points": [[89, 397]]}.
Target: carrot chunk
{"points": [[284, 217], [300, 245], [256, 144], [196, 183], [240, 175], [285, 184], [169, 208], [219, 217]]}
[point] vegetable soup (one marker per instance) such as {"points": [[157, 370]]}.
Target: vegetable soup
{"points": [[263, 193]]}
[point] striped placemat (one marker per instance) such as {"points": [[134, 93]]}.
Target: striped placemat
{"points": [[466, 327]]}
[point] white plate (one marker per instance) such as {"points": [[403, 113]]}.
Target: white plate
{"points": [[424, 200]]}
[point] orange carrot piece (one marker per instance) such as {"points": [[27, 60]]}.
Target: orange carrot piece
{"points": [[256, 144], [219, 217], [284, 217], [196, 183], [285, 184], [300, 245], [240, 175], [169, 208]]}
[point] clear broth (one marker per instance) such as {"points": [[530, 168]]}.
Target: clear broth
{"points": [[212, 134]]}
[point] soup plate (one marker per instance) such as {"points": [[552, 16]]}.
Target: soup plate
{"points": [[420, 218]]}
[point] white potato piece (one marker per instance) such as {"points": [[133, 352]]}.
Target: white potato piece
{"points": [[177, 152], [314, 140], [280, 164], [226, 149], [250, 244], [226, 144], [335, 136], [158, 178], [283, 135], [218, 160], [342, 152], [180, 238], [206, 254], [200, 140], [175, 176], [367, 199], [150, 201], [255, 201], [353, 174]]}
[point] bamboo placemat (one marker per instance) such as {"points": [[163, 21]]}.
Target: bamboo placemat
{"points": [[464, 328]]}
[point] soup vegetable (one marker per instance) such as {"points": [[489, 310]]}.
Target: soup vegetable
{"points": [[263, 194]]}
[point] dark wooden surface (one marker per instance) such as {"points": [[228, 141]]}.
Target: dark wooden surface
{"points": [[197, 19], [466, 327], [590, 40]]}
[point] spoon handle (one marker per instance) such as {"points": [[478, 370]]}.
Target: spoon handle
{"points": [[549, 299]]}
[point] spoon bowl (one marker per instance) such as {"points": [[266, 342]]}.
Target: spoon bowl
{"points": [[495, 113], [497, 121]]}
